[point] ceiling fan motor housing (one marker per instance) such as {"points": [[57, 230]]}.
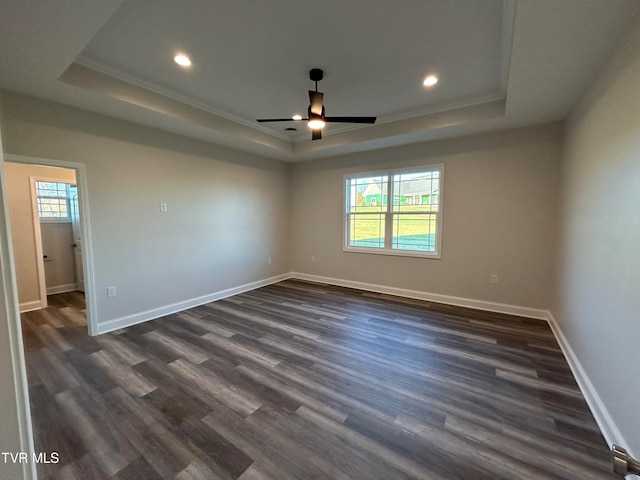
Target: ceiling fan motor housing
{"points": [[316, 74]]}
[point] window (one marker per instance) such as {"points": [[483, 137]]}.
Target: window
{"points": [[408, 225], [53, 201]]}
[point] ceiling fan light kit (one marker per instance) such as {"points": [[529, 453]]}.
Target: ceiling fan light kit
{"points": [[316, 119]]}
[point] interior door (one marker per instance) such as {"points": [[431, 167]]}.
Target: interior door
{"points": [[77, 236]]}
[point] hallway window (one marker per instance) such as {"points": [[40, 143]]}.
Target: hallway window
{"points": [[53, 201]]}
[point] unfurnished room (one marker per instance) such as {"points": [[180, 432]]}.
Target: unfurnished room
{"points": [[339, 239]]}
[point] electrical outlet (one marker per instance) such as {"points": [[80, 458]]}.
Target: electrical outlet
{"points": [[163, 207], [269, 260], [494, 278], [111, 291], [313, 258]]}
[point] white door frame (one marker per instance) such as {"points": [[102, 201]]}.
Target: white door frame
{"points": [[85, 227], [37, 229], [41, 302], [9, 308]]}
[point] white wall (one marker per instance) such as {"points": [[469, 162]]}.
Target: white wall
{"points": [[15, 420], [598, 301], [228, 211], [500, 199]]}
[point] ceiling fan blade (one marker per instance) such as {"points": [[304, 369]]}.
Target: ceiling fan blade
{"points": [[316, 134], [263, 120], [315, 102], [351, 119]]}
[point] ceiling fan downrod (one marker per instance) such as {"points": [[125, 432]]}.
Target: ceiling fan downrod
{"points": [[315, 75]]}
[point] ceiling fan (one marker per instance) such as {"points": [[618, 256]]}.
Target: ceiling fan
{"points": [[316, 118]]}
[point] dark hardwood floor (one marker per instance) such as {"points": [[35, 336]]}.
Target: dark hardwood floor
{"points": [[306, 381]]}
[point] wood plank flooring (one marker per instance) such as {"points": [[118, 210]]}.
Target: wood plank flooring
{"points": [[307, 381]]}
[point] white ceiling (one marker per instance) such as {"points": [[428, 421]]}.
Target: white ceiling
{"points": [[501, 64]]}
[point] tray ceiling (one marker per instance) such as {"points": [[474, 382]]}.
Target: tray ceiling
{"points": [[500, 64]]}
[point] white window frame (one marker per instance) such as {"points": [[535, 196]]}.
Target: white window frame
{"points": [[389, 213], [66, 219]]}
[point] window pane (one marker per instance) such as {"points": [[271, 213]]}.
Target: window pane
{"points": [[368, 194], [52, 199], [52, 208], [414, 232], [416, 192], [51, 189], [366, 230]]}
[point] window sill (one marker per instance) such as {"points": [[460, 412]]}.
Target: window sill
{"points": [[54, 220], [394, 253]]}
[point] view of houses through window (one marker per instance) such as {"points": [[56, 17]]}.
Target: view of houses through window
{"points": [[410, 223]]}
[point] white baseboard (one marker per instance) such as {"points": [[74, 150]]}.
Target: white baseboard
{"points": [[607, 426], [32, 305], [70, 287], [129, 320], [430, 297]]}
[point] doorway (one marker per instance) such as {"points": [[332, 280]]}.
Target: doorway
{"points": [[48, 206], [58, 224]]}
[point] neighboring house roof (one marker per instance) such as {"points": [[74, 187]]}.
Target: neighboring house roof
{"points": [[372, 189], [420, 187]]}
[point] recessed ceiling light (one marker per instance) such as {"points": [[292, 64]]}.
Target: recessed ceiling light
{"points": [[297, 117], [182, 60], [430, 81]]}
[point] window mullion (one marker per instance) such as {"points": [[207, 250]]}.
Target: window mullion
{"points": [[388, 217], [347, 227]]}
